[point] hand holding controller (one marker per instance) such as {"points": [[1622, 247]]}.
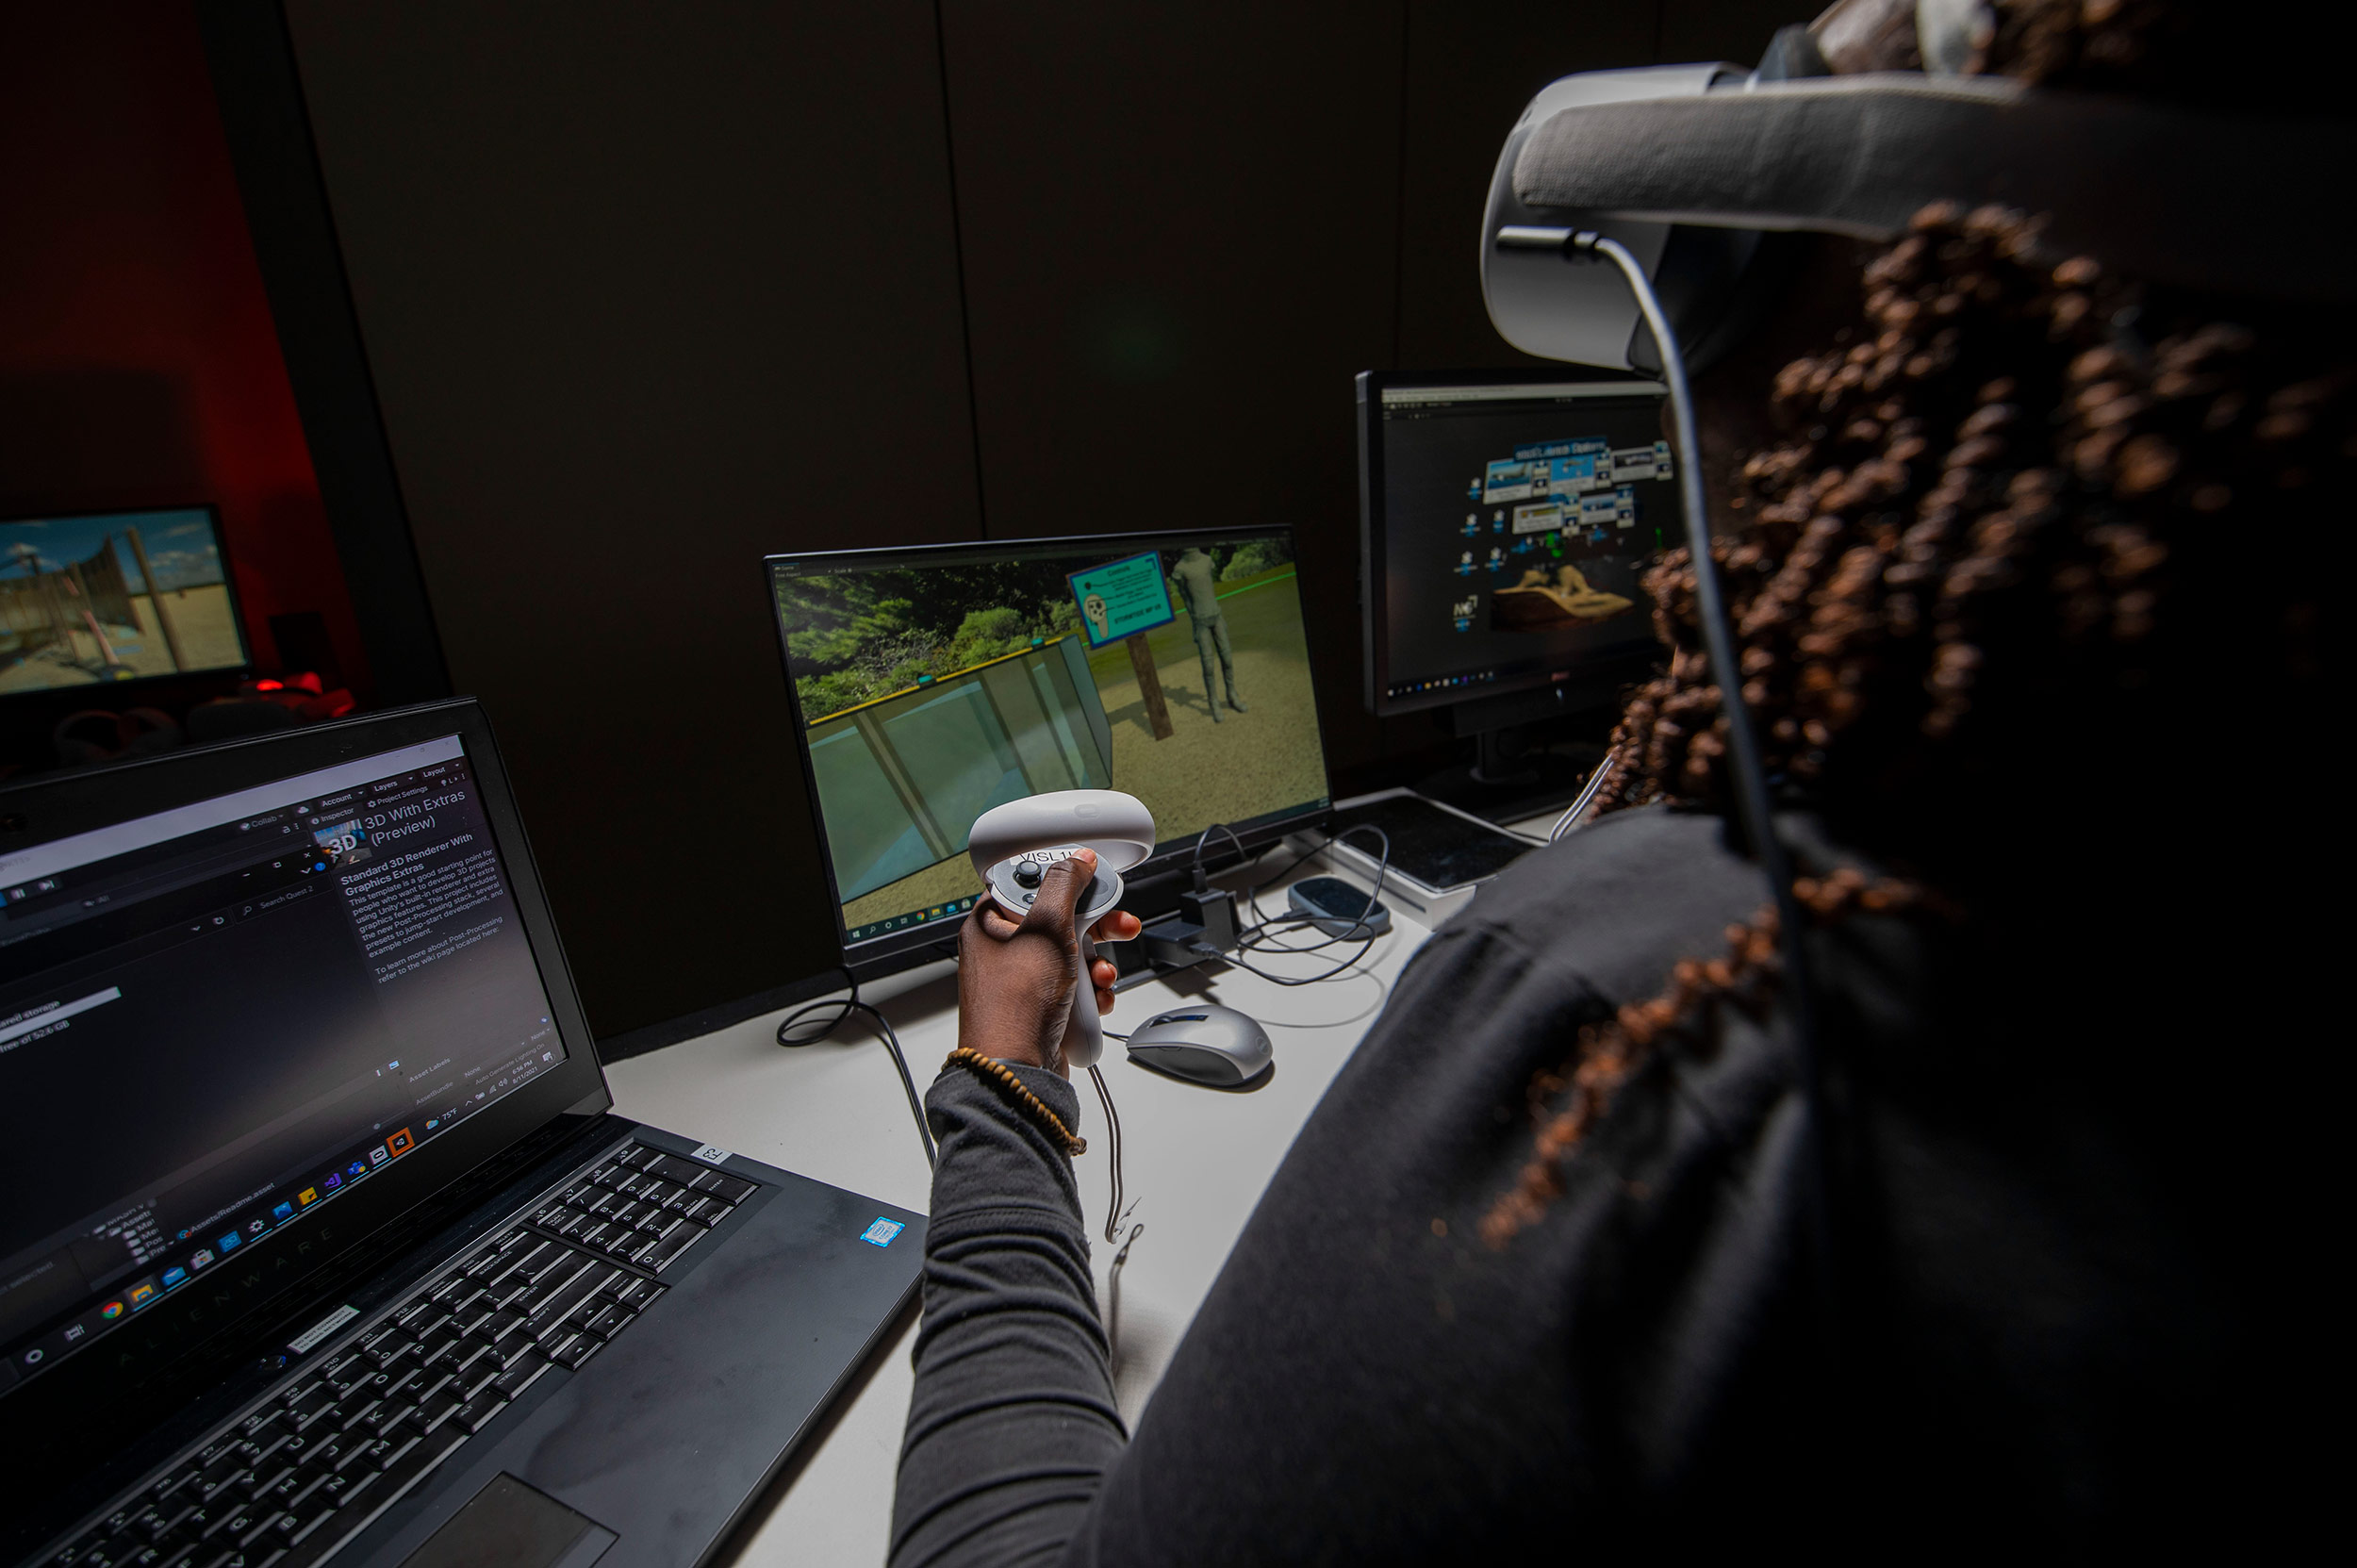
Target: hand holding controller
{"points": [[1012, 846]]}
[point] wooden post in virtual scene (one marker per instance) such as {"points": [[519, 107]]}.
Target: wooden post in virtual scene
{"points": [[62, 614], [154, 598], [1150, 685], [61, 622], [80, 586]]}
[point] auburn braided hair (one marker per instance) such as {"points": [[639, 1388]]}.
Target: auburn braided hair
{"points": [[1995, 508], [1610, 1052]]}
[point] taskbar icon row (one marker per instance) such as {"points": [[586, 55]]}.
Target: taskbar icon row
{"points": [[914, 917], [200, 1249], [1411, 689]]}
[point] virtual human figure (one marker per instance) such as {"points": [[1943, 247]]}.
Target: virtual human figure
{"points": [[1198, 585]]}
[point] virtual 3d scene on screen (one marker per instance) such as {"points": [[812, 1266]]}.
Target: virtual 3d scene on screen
{"points": [[1554, 505], [88, 600], [932, 693]]}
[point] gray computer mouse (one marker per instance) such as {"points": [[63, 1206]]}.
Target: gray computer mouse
{"points": [[1204, 1044]]}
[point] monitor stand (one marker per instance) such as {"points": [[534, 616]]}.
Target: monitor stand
{"points": [[1561, 730], [1501, 787]]}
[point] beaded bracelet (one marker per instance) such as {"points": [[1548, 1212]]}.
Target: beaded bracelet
{"points": [[999, 1073]]}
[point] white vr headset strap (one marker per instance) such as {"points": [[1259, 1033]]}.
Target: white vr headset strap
{"points": [[2199, 200]]}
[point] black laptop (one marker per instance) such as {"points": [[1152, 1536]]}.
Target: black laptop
{"points": [[319, 1238]]}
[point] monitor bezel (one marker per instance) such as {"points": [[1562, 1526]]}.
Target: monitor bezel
{"points": [[894, 950], [229, 581], [92, 1405], [1616, 662]]}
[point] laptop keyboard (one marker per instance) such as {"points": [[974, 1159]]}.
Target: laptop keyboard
{"points": [[303, 1472]]}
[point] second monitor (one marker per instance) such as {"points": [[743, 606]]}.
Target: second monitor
{"points": [[933, 684], [1506, 520]]}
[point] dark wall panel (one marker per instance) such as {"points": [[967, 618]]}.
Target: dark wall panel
{"points": [[648, 292], [1466, 86], [1179, 241], [1737, 30], [260, 97]]}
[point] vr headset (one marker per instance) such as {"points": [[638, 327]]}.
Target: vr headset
{"points": [[1706, 172]]}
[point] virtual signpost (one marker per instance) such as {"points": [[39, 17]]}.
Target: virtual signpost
{"points": [[1122, 601], [1123, 598]]}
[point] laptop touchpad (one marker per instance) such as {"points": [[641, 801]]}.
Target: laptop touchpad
{"points": [[510, 1524]]}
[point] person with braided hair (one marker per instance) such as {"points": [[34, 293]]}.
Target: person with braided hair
{"points": [[2029, 563]]}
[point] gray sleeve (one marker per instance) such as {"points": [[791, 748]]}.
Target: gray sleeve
{"points": [[1012, 1426]]}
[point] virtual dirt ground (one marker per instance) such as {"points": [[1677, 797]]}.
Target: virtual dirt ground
{"points": [[201, 618]]}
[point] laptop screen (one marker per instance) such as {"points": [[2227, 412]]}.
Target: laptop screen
{"points": [[218, 1019]]}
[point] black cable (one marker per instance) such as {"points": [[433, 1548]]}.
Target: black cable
{"points": [[844, 1007], [1262, 922], [1382, 869], [1750, 778], [1245, 855], [1342, 966], [1261, 939], [1252, 894], [1366, 913]]}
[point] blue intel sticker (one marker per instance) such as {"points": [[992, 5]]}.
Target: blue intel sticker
{"points": [[881, 1233]]}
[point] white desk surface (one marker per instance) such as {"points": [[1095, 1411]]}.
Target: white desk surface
{"points": [[1195, 1161]]}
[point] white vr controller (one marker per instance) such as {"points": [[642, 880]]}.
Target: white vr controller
{"points": [[1012, 846]]}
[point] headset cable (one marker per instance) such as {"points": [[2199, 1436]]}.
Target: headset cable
{"points": [[1753, 807]]}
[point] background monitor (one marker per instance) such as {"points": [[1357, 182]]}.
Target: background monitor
{"points": [[110, 597], [931, 683], [1504, 520]]}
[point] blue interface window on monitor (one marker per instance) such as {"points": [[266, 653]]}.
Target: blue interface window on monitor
{"points": [[1507, 524], [934, 683]]}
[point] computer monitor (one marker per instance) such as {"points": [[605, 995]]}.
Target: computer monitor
{"points": [[931, 683], [1505, 518], [109, 597]]}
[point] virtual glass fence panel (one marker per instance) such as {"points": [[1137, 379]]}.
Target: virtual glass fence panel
{"points": [[905, 776]]}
